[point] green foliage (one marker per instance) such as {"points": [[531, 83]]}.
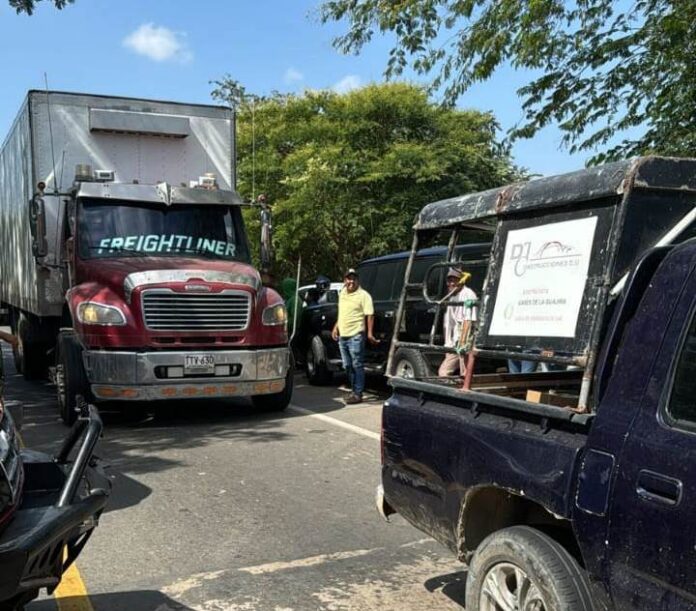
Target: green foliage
{"points": [[28, 6], [346, 174], [603, 69]]}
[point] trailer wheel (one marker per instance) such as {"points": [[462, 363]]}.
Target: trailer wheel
{"points": [[277, 402], [16, 349], [71, 379], [29, 355], [410, 364], [318, 372], [522, 568]]}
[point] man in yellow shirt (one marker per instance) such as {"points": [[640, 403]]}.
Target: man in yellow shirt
{"points": [[356, 314]]}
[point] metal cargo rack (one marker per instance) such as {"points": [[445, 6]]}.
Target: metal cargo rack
{"points": [[608, 216]]}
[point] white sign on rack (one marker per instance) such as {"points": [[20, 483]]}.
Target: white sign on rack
{"points": [[543, 279]]}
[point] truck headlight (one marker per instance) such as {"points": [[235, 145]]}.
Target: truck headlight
{"points": [[275, 315], [91, 313]]}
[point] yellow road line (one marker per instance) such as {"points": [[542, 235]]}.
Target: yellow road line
{"points": [[71, 593]]}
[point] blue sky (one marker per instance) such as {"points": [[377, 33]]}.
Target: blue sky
{"points": [[170, 50]]}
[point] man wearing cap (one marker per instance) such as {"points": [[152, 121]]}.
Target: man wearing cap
{"points": [[355, 316], [454, 318]]}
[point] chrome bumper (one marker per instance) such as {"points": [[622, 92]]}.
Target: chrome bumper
{"points": [[132, 375]]}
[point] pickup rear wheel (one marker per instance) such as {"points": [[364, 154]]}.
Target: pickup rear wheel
{"points": [[317, 368], [410, 364], [522, 569], [71, 379]]}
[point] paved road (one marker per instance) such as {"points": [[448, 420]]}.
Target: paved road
{"points": [[216, 507]]}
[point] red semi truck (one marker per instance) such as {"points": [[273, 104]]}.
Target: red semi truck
{"points": [[131, 277]]}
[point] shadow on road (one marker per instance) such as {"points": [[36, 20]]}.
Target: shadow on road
{"points": [[141, 600], [331, 397], [452, 585], [139, 438]]}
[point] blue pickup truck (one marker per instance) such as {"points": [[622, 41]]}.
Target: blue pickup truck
{"points": [[572, 489]]}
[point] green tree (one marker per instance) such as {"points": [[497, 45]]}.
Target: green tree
{"points": [[346, 174], [602, 69], [28, 6]]}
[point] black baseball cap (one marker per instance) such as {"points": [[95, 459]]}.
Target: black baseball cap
{"points": [[351, 272]]}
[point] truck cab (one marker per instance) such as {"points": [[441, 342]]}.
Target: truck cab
{"points": [[164, 302]]}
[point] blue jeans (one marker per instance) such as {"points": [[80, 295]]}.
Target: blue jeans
{"points": [[521, 366], [353, 357]]}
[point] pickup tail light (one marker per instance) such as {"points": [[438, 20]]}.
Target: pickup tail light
{"points": [[382, 452]]}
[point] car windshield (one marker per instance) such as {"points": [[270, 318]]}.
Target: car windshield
{"points": [[120, 228]]}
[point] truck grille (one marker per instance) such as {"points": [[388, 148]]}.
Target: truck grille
{"points": [[165, 310]]}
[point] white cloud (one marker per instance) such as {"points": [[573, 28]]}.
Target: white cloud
{"points": [[292, 76], [352, 81], [158, 43]]}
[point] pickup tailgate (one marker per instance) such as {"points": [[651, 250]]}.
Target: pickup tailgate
{"points": [[439, 443]]}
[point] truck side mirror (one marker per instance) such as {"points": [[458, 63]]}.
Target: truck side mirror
{"points": [[37, 221], [433, 280], [266, 237], [69, 249]]}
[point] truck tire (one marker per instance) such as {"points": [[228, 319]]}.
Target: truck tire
{"points": [[410, 364], [522, 568], [317, 367], [277, 402], [71, 378], [16, 350], [30, 354]]}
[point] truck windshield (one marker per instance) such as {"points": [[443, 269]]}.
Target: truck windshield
{"points": [[120, 228]]}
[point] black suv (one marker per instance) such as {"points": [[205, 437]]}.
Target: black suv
{"points": [[383, 278]]}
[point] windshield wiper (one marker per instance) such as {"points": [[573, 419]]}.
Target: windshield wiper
{"points": [[198, 251], [119, 249]]}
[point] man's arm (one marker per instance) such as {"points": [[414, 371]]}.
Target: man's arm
{"points": [[334, 332], [9, 338], [370, 318], [369, 311]]}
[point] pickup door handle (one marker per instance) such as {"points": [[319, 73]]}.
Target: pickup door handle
{"points": [[389, 314], [658, 488]]}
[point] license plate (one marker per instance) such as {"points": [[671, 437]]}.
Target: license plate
{"points": [[199, 363]]}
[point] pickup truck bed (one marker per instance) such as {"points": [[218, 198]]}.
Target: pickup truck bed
{"points": [[443, 456]]}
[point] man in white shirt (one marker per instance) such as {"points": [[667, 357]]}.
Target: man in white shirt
{"points": [[453, 323]]}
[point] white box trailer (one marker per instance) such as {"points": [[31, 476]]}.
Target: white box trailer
{"points": [[142, 141]]}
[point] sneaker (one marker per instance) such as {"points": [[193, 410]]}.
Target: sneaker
{"points": [[353, 399]]}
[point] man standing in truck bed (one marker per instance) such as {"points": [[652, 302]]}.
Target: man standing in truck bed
{"points": [[457, 322], [355, 314]]}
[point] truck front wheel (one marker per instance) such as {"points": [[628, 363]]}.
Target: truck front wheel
{"points": [[71, 379], [521, 568], [317, 367]]}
